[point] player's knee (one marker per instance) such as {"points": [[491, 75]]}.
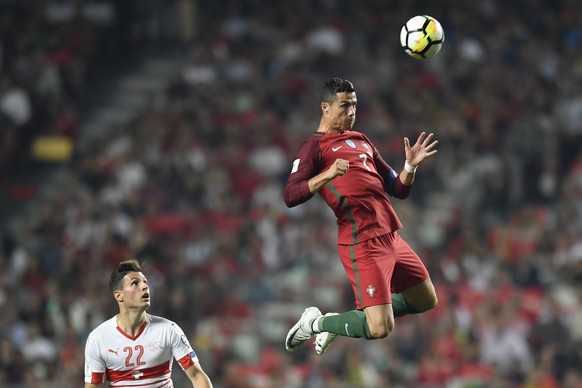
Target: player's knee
{"points": [[381, 330], [430, 303], [426, 304]]}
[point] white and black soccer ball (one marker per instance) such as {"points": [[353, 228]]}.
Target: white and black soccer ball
{"points": [[422, 37]]}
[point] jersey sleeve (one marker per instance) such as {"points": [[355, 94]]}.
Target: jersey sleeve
{"points": [[94, 363], [392, 184], [306, 165], [181, 349]]}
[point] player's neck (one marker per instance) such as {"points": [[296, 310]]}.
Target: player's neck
{"points": [[326, 128], [131, 321]]}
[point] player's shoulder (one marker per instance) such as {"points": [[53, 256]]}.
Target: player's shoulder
{"points": [[311, 144], [157, 321], [356, 135], [315, 138], [104, 328], [359, 136]]}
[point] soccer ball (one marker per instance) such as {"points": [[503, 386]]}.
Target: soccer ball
{"points": [[422, 37]]}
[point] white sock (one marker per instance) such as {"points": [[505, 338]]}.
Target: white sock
{"points": [[315, 325]]}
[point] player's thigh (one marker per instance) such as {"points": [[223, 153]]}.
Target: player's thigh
{"points": [[369, 266], [411, 277], [422, 296], [409, 270]]}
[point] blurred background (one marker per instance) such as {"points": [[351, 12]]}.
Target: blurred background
{"points": [[164, 131]]}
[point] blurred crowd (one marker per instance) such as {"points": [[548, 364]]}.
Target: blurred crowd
{"points": [[192, 187]]}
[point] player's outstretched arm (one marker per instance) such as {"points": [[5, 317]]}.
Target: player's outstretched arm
{"points": [[416, 154], [198, 377], [422, 149]]}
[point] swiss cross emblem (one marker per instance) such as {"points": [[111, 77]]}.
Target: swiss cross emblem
{"points": [[137, 374], [371, 290]]}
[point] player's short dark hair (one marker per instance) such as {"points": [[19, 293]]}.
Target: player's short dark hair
{"points": [[122, 269], [333, 86]]}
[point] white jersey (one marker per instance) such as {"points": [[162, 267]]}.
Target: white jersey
{"points": [[142, 361]]}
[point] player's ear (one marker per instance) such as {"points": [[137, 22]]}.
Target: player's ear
{"points": [[325, 107], [118, 296]]}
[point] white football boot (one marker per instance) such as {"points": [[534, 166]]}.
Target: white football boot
{"points": [[302, 330], [324, 339]]}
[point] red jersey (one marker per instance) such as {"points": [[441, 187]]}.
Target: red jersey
{"points": [[359, 198]]}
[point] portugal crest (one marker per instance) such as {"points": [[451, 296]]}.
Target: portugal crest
{"points": [[371, 290], [366, 147]]}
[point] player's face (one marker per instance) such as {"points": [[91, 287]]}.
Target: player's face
{"points": [[342, 111], [135, 291]]}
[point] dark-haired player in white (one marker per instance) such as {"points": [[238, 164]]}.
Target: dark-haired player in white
{"points": [[136, 349]]}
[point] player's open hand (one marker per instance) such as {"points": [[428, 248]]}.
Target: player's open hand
{"points": [[338, 168], [422, 149]]}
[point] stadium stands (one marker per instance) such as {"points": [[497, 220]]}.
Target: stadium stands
{"points": [[191, 186]]}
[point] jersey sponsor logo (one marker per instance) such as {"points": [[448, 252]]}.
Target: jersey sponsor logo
{"points": [[351, 144], [335, 149], [295, 166]]}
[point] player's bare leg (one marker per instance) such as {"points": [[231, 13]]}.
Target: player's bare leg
{"points": [[421, 298], [373, 323], [379, 320], [414, 300]]}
